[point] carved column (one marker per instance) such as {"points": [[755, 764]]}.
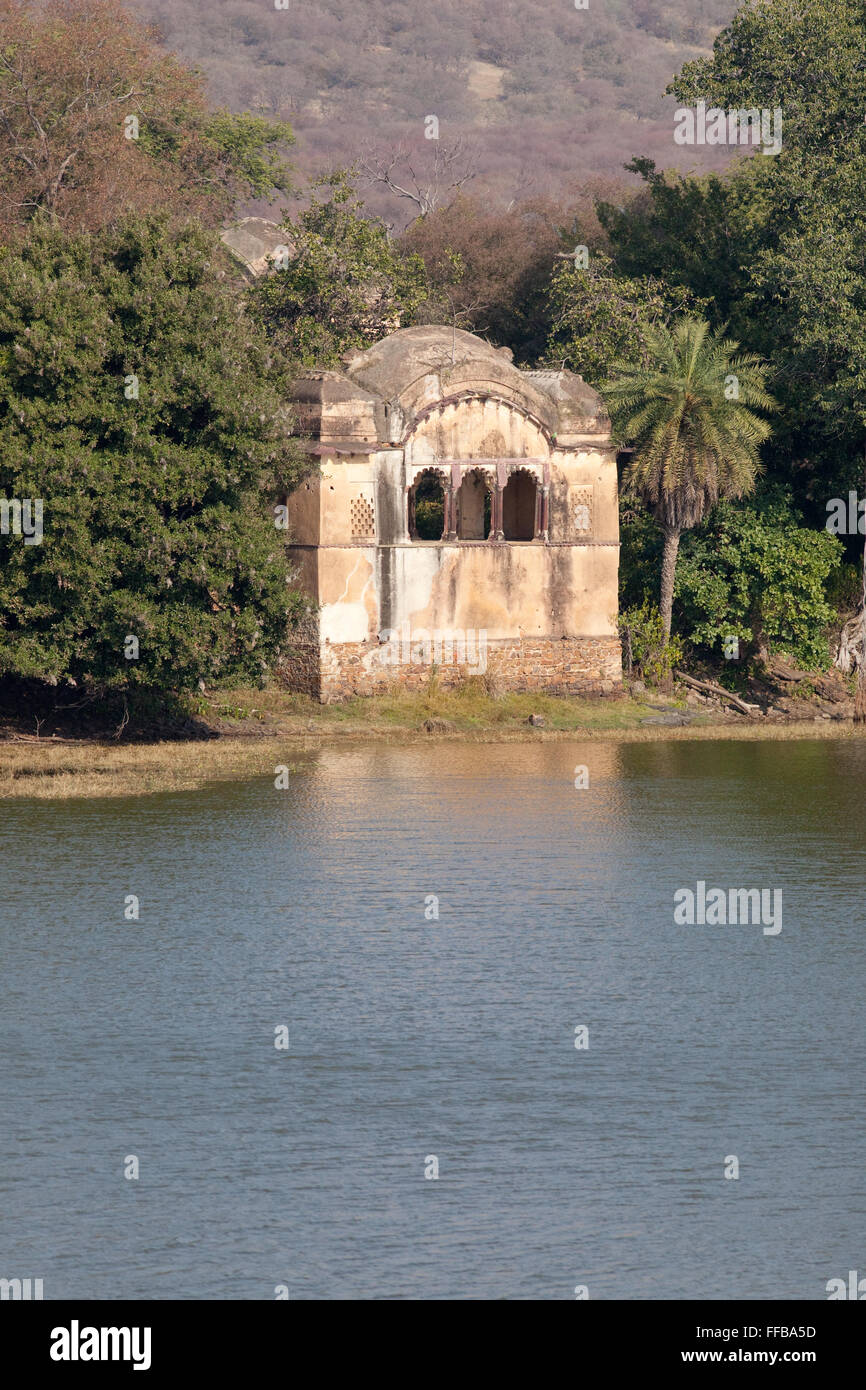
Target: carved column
{"points": [[496, 531], [452, 488], [449, 528], [543, 532]]}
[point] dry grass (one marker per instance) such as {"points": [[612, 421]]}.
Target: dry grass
{"points": [[261, 729], [53, 771], [486, 80]]}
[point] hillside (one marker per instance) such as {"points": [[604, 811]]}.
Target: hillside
{"points": [[544, 94]]}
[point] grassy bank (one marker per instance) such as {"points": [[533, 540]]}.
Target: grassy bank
{"points": [[248, 733]]}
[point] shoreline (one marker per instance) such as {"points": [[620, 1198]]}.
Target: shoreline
{"points": [[60, 769]]}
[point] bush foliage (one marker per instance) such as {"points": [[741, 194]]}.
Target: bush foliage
{"points": [[137, 401], [755, 572]]}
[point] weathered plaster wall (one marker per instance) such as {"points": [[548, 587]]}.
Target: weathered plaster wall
{"points": [[474, 429], [506, 590]]}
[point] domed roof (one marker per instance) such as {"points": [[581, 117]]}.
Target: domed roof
{"points": [[392, 366], [252, 241], [415, 366], [579, 406]]}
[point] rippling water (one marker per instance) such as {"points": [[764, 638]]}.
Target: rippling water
{"points": [[410, 1037]]}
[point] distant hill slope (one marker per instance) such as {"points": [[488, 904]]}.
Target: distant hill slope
{"points": [[544, 92]]}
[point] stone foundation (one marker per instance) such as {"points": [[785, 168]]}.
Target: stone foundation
{"points": [[557, 666]]}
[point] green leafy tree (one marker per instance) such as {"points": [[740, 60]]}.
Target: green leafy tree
{"points": [[805, 56], [753, 571], [690, 417], [796, 221], [775, 244], [807, 286], [138, 403], [345, 285], [600, 317], [249, 152], [698, 234]]}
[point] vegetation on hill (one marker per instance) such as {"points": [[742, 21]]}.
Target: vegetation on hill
{"points": [[97, 120], [544, 94]]}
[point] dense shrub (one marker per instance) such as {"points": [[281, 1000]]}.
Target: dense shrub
{"points": [[755, 572], [136, 403]]}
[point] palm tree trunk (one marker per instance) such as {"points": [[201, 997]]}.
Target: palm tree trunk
{"points": [[669, 569]]}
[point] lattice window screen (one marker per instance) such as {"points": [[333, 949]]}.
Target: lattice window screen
{"points": [[581, 510], [362, 518]]}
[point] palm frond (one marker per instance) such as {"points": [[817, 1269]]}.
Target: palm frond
{"points": [[691, 415]]}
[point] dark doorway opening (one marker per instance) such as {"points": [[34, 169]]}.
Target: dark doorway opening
{"points": [[518, 507]]}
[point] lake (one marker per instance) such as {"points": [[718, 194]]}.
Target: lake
{"points": [[566, 1159]]}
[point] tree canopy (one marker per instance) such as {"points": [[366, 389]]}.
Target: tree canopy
{"points": [[139, 404], [601, 317], [96, 120], [344, 284], [777, 245]]}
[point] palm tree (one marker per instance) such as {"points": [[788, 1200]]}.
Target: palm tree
{"points": [[689, 413]]}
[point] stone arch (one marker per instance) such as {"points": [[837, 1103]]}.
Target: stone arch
{"points": [[520, 506], [428, 505], [475, 427], [474, 505]]}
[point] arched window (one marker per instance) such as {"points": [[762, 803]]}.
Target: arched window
{"points": [[473, 506], [427, 507], [518, 506]]}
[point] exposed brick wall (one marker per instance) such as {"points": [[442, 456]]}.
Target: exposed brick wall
{"points": [[301, 669], [301, 666], [566, 666]]}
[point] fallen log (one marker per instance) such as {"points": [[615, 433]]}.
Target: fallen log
{"points": [[710, 688]]}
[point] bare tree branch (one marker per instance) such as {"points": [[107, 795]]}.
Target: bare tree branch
{"points": [[402, 171]]}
